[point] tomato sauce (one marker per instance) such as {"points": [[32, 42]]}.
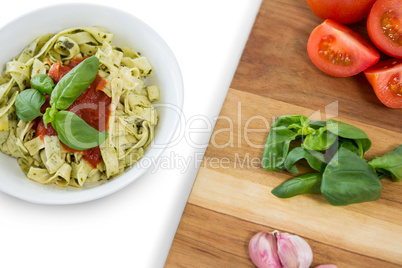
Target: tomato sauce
{"points": [[93, 106]]}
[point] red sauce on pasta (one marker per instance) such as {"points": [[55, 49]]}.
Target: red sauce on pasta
{"points": [[93, 106]]}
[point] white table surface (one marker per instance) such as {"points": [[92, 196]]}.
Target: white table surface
{"points": [[135, 226]]}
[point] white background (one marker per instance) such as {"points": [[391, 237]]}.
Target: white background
{"points": [[136, 226]]}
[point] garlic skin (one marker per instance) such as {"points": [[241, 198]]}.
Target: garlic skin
{"points": [[326, 266], [263, 249], [294, 251]]}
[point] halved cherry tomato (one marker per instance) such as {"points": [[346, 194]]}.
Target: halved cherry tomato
{"points": [[338, 51], [384, 26], [386, 80], [342, 11]]}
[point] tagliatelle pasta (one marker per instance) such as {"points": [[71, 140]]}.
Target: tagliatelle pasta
{"points": [[130, 123]]}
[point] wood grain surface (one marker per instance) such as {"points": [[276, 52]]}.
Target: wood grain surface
{"points": [[231, 198]]}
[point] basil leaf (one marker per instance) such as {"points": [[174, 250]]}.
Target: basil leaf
{"points": [[291, 121], [304, 184], [345, 130], [75, 132], [382, 173], [297, 123], [390, 163], [43, 83], [277, 147], [317, 124], [354, 146], [285, 129], [349, 179], [320, 140], [28, 104], [315, 159], [70, 87]]}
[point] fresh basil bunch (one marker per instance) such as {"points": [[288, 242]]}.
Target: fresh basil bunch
{"points": [[334, 150], [72, 130]]}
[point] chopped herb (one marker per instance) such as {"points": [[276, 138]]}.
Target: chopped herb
{"points": [[68, 44]]}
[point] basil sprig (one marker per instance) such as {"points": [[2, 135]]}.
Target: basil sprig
{"points": [[335, 151], [71, 129], [71, 86]]}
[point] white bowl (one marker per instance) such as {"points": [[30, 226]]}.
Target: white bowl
{"points": [[129, 31]]}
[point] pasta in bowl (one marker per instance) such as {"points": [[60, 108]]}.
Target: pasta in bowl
{"points": [[116, 101], [74, 128]]}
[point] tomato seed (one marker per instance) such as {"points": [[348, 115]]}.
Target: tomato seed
{"points": [[395, 84], [336, 57], [392, 27]]}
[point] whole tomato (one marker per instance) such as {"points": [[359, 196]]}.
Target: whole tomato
{"points": [[342, 11]]}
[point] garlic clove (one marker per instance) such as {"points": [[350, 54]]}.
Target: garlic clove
{"points": [[326, 266], [263, 249], [294, 251]]}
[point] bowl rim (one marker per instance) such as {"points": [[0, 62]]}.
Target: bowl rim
{"points": [[113, 185]]}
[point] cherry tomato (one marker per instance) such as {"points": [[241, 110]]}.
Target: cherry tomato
{"points": [[384, 26], [338, 51], [342, 11], [386, 79]]}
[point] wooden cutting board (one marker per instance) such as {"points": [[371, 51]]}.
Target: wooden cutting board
{"points": [[231, 198]]}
